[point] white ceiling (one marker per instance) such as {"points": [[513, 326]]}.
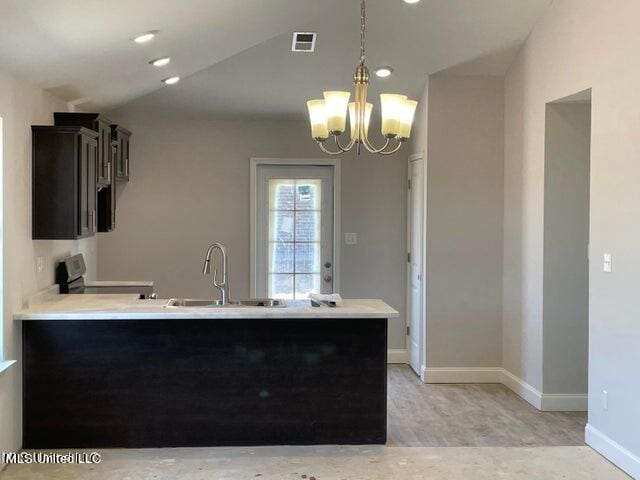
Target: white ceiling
{"points": [[234, 56], [82, 49]]}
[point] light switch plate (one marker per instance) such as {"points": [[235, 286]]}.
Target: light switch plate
{"points": [[350, 238], [607, 263], [40, 264]]}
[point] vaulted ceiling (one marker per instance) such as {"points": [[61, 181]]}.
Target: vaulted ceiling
{"points": [[234, 57]]}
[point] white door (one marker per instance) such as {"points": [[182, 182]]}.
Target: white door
{"points": [[416, 241], [294, 231]]}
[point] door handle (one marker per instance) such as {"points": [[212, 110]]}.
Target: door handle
{"points": [[328, 278], [327, 264]]}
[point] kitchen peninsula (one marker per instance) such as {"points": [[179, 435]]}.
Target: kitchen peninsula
{"points": [[115, 371]]}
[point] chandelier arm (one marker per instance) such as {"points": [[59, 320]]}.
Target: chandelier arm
{"points": [[394, 150], [328, 152], [373, 149], [344, 149]]}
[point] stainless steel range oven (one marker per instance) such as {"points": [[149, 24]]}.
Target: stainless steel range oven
{"points": [[70, 277]]}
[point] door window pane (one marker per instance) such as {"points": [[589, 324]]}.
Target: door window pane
{"points": [[308, 194], [294, 237], [281, 225], [281, 286], [307, 258], [281, 257], [281, 194], [307, 226]]}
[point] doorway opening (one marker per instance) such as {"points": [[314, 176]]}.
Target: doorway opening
{"points": [[566, 250]]}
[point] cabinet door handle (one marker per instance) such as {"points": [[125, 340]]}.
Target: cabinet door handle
{"points": [[92, 221]]}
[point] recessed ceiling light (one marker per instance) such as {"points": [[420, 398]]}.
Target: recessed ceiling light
{"points": [[411, 1], [160, 62], [171, 80], [145, 37], [384, 72]]}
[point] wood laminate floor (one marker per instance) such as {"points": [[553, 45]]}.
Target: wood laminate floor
{"points": [[471, 415]]}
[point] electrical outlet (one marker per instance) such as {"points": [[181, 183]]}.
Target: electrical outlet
{"points": [[350, 238], [40, 264], [605, 400], [607, 263]]}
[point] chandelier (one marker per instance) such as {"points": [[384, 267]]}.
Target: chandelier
{"points": [[328, 116]]}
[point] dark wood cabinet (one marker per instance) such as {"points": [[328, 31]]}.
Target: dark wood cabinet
{"points": [[107, 198], [202, 383], [122, 138], [100, 124], [64, 182]]}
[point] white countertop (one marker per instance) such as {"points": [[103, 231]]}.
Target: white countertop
{"points": [[116, 283], [129, 307]]}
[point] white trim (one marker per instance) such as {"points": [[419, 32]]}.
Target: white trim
{"points": [[522, 388], [5, 365], [400, 355], [416, 156], [547, 402], [423, 374], [613, 451], [463, 375], [337, 188]]}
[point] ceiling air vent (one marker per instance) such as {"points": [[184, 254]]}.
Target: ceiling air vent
{"points": [[304, 42]]}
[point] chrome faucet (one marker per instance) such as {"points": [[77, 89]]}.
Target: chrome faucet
{"points": [[222, 286]]}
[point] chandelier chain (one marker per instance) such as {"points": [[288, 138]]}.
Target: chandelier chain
{"points": [[362, 31]]}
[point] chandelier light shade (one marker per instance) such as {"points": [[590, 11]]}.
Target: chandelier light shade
{"points": [[328, 116], [318, 119]]}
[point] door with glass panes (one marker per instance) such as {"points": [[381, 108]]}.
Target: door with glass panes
{"points": [[294, 236]]}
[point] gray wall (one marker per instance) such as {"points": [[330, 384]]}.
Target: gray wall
{"points": [[566, 243], [190, 185], [579, 44], [21, 106], [464, 155]]}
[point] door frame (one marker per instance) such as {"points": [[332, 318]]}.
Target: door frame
{"points": [[423, 290], [254, 163]]}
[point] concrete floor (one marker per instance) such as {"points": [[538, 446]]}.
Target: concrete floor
{"points": [[333, 463], [489, 432]]}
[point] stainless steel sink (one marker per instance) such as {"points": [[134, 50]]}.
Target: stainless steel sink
{"points": [[254, 302], [190, 302]]}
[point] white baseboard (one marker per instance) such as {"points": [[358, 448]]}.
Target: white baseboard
{"points": [[522, 388], [613, 451], [549, 402], [399, 355], [463, 375]]}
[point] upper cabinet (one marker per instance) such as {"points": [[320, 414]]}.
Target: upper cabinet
{"points": [[101, 125], [107, 199], [65, 186], [75, 167], [122, 138]]}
